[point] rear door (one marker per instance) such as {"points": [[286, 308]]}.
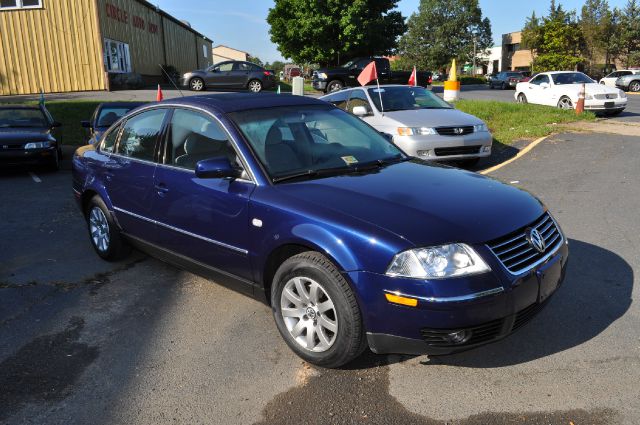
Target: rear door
{"points": [[203, 219], [240, 74], [129, 173]]}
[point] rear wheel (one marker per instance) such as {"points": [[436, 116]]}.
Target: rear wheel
{"points": [[634, 86], [103, 233], [522, 98], [196, 84], [255, 86], [565, 103], [316, 311]]}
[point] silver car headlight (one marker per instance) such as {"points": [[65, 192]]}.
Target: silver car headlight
{"points": [[438, 262], [480, 128], [37, 145], [416, 131]]}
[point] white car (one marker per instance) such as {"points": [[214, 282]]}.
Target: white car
{"points": [[561, 89], [610, 80]]}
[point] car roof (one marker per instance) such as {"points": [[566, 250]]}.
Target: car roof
{"points": [[233, 102], [119, 104], [11, 106], [366, 88]]}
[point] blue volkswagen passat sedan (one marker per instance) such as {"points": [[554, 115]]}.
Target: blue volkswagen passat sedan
{"points": [[353, 243]]}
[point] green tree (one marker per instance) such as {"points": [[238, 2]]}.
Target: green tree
{"points": [[555, 40], [254, 59], [330, 31], [599, 26], [630, 34], [443, 30]]}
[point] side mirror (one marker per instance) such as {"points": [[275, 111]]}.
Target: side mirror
{"points": [[544, 85], [85, 124], [360, 111], [56, 124], [387, 136], [218, 167]]}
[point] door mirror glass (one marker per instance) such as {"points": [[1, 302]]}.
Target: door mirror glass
{"points": [[360, 111], [218, 167]]}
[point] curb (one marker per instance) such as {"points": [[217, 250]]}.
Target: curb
{"points": [[520, 154]]}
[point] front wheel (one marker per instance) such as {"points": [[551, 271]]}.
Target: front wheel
{"points": [[634, 86], [565, 103], [103, 233], [334, 85], [255, 86], [503, 86], [522, 98], [196, 84], [316, 311]]}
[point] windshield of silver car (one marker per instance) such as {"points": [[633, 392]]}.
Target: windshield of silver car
{"points": [[406, 98]]}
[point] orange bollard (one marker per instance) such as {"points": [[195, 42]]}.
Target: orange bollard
{"points": [[580, 105]]}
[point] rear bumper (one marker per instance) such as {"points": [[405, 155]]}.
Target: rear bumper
{"points": [[27, 157]]}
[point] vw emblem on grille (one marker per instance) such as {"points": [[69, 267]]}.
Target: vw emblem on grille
{"points": [[536, 240], [458, 130]]}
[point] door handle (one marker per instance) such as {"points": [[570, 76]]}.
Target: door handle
{"points": [[161, 188], [108, 176]]}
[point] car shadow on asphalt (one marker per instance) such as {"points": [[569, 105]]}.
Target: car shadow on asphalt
{"points": [[596, 292]]}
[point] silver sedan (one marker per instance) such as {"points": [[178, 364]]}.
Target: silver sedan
{"points": [[420, 123]]}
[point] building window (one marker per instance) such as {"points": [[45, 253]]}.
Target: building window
{"points": [[204, 51], [20, 4], [116, 56]]}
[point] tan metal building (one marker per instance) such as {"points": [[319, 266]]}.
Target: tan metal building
{"points": [[76, 45], [223, 53]]}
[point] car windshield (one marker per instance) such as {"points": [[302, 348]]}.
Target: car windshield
{"points": [[313, 141], [109, 115], [350, 63], [19, 117], [406, 98], [570, 78]]}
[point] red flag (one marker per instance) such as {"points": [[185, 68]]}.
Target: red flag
{"points": [[159, 95], [368, 74], [413, 79]]}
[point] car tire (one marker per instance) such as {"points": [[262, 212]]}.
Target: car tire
{"points": [[103, 232], [503, 86], [334, 85], [255, 86], [316, 311], [490, 86], [634, 86], [196, 84], [565, 103], [522, 98]]}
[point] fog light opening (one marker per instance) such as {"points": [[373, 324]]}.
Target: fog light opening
{"points": [[486, 149], [459, 337], [425, 153]]}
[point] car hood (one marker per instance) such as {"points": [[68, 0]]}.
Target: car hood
{"points": [[431, 118], [10, 136], [425, 204]]}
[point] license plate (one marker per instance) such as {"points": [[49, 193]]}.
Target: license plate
{"points": [[609, 104], [548, 278]]}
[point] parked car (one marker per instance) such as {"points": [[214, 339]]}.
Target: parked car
{"points": [[491, 76], [105, 115], [505, 80], [310, 209], [333, 79], [629, 82], [230, 75], [610, 79], [28, 136], [561, 89], [418, 121], [528, 77]]}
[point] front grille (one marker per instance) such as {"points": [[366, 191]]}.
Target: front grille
{"points": [[457, 150], [525, 315], [517, 254], [606, 96], [481, 333], [455, 131]]}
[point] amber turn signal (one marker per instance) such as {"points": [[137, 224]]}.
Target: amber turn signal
{"points": [[397, 299]]}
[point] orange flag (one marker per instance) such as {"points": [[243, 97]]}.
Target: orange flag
{"points": [[159, 95], [413, 79], [368, 74]]}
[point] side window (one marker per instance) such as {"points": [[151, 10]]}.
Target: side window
{"points": [[140, 133], [241, 66], [193, 137], [224, 67], [109, 141], [623, 73], [540, 79], [358, 98], [339, 99]]}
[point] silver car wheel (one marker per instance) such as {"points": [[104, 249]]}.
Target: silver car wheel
{"points": [[99, 228], [197, 84], [634, 87], [309, 314], [565, 103], [255, 86]]}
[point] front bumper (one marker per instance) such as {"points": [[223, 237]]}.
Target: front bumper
{"points": [[492, 306], [436, 147], [319, 85], [27, 157], [602, 106]]}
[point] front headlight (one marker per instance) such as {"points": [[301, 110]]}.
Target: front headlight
{"points": [[437, 262], [37, 145], [480, 127], [416, 131], [322, 75], [588, 97], [622, 94]]}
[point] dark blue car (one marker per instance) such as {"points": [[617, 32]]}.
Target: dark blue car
{"points": [[298, 203]]}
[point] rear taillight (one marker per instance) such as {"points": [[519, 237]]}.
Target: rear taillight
{"points": [[267, 73], [430, 80]]}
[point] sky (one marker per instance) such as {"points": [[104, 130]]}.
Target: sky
{"points": [[241, 24]]}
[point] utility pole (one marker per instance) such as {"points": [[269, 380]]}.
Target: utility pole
{"points": [[473, 72]]}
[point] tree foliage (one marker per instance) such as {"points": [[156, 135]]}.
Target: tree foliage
{"points": [[330, 31], [629, 32], [443, 30]]}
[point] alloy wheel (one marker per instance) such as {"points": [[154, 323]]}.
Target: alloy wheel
{"points": [[565, 103], [335, 86], [197, 84], [522, 98], [99, 228], [309, 314], [255, 86], [635, 86]]}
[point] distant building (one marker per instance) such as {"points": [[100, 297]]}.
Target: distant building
{"points": [[494, 60], [223, 53], [514, 56]]}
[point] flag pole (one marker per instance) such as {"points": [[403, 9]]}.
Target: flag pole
{"points": [[380, 94]]}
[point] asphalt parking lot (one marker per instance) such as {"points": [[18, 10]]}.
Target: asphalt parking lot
{"points": [[84, 341]]}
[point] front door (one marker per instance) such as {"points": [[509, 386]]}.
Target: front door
{"points": [[128, 175], [538, 90], [220, 75], [203, 219]]}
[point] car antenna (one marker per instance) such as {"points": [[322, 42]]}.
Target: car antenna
{"points": [[171, 80]]}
